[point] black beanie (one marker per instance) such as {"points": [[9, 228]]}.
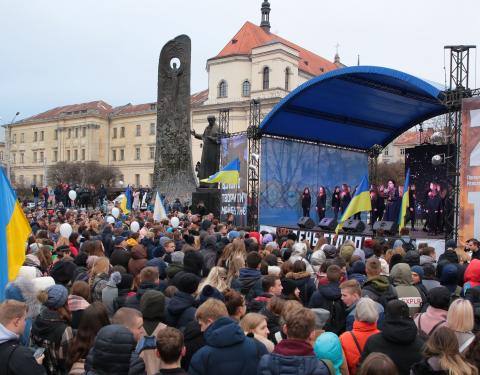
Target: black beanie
{"points": [[193, 262], [187, 282], [439, 297]]}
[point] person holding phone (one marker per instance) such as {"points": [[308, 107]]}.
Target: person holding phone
{"points": [[16, 359]]}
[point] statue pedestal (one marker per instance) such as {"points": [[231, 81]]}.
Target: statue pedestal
{"points": [[211, 199]]}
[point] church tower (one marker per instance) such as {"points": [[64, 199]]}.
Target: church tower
{"points": [[265, 24]]}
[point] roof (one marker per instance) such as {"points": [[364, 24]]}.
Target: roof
{"points": [[356, 107], [251, 36], [412, 137]]}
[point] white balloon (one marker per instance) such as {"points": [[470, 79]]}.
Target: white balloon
{"points": [[134, 226], [110, 219], [115, 212], [120, 183], [72, 194], [174, 221], [66, 230]]}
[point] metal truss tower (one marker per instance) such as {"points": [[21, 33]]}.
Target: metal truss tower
{"points": [[253, 183]]}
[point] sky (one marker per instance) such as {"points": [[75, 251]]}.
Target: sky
{"points": [[59, 52]]}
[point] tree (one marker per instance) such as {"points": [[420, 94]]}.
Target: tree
{"points": [[390, 171], [87, 173]]}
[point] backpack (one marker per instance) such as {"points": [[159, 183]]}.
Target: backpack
{"points": [[337, 320], [407, 246], [421, 333]]}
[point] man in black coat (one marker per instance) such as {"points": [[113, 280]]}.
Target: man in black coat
{"points": [[16, 359]]}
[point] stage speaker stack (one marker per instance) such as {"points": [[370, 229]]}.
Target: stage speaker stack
{"points": [[328, 223], [306, 222], [388, 227], [352, 225]]}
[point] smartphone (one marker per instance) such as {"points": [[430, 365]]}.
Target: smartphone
{"points": [[38, 353]]}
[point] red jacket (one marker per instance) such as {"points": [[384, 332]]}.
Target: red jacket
{"points": [[362, 332]]}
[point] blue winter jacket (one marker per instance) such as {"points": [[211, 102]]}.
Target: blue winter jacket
{"points": [[227, 351]]}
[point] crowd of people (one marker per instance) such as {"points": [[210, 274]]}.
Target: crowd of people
{"points": [[193, 295]]}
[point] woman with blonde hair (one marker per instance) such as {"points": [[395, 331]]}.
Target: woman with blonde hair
{"points": [[99, 276], [255, 325], [460, 319], [217, 278], [233, 250], [442, 356]]}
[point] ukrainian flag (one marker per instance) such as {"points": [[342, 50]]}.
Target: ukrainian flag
{"points": [[14, 232], [405, 201], [128, 195], [230, 174], [360, 202], [124, 204]]}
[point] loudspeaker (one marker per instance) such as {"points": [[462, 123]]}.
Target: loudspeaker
{"points": [[352, 225], [328, 223], [389, 227], [306, 222]]}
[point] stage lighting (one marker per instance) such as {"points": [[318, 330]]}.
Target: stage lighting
{"points": [[437, 138], [255, 157], [438, 159]]}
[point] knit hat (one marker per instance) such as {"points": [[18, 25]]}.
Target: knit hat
{"points": [[115, 278], [57, 296], [330, 251], [396, 310], [449, 277], [359, 253], [177, 257], [126, 281], [131, 242], [358, 267], [13, 291], [418, 270], [368, 243], [327, 346], [187, 282], [318, 258], [366, 310], [118, 240], [412, 258], [321, 317], [209, 291], [346, 252], [152, 306], [63, 272], [439, 297]]}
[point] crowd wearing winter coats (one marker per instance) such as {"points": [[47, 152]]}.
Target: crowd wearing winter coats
{"points": [[193, 295]]}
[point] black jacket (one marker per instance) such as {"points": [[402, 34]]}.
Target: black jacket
{"points": [[16, 359], [181, 310], [134, 301], [399, 341], [193, 340]]}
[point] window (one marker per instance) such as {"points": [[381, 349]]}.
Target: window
{"points": [[122, 154], [22, 158], [83, 154], [246, 88], [75, 155], [122, 132], [55, 156], [137, 180], [152, 128], [152, 152], [42, 134], [76, 132], [22, 138], [153, 106], [14, 139], [84, 132], [35, 156], [41, 157], [114, 155], [266, 78], [137, 153], [68, 155], [385, 152], [35, 136], [222, 89], [287, 79], [114, 132], [55, 134], [69, 133], [402, 151], [138, 131]]}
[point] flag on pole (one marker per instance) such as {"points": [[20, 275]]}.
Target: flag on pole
{"points": [[405, 201], [360, 202], [14, 232], [230, 174], [124, 204], [128, 195], [159, 210]]}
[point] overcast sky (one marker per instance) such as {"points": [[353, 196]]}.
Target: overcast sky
{"points": [[60, 52]]}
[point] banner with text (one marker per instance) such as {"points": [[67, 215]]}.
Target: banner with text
{"points": [[469, 224], [234, 197]]}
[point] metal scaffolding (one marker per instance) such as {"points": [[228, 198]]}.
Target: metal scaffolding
{"points": [[253, 183]]}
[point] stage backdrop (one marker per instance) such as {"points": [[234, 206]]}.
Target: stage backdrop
{"points": [[470, 170], [234, 197], [287, 167]]}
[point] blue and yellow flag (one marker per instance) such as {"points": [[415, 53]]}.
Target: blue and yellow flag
{"points": [[124, 204], [405, 201], [360, 202], [14, 232], [230, 174], [128, 195]]}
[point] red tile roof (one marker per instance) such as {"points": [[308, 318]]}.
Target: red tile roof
{"points": [[252, 36], [98, 107], [412, 137]]}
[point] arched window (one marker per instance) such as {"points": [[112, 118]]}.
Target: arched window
{"points": [[287, 79], [246, 88], [266, 78], [222, 89]]}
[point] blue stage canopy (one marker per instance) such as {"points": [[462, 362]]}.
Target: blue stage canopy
{"points": [[355, 107]]}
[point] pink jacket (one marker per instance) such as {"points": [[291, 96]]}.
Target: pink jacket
{"points": [[431, 318]]}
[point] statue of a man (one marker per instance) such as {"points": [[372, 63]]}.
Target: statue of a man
{"points": [[211, 149]]}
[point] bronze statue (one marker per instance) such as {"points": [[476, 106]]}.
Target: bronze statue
{"points": [[211, 150]]}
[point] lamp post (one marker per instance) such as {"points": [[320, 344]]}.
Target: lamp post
{"points": [[8, 143]]}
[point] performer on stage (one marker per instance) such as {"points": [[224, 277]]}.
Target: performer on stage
{"points": [[336, 202], [411, 206], [345, 198], [392, 209], [433, 209], [374, 197], [306, 202], [321, 203]]}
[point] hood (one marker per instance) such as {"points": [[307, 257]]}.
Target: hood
{"points": [[192, 330], [180, 302], [210, 243], [449, 275], [379, 283], [143, 287], [298, 275], [293, 347], [224, 332], [249, 273], [139, 252], [399, 331], [365, 327], [46, 322], [299, 250], [6, 334], [472, 273], [330, 291], [424, 259], [401, 274], [328, 346]]}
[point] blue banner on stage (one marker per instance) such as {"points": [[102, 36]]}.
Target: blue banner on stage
{"points": [[288, 167]]}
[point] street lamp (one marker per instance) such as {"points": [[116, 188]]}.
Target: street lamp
{"points": [[8, 143]]}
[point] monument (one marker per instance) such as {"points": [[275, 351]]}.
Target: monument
{"points": [[173, 171]]}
